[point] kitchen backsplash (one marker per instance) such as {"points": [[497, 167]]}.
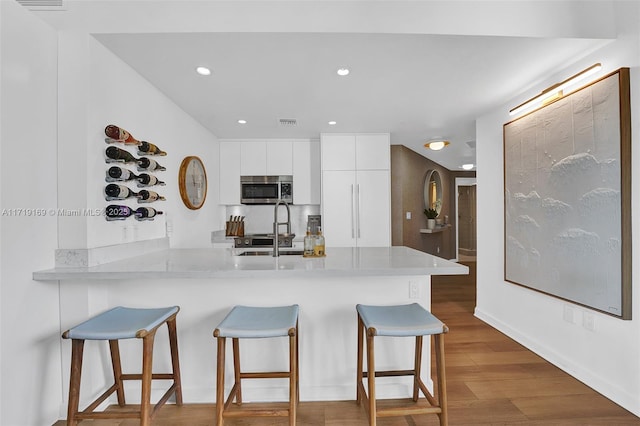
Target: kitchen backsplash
{"points": [[259, 219]]}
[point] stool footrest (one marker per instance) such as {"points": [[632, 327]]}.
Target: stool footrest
{"points": [[265, 375], [157, 376], [391, 373], [257, 412], [107, 415]]}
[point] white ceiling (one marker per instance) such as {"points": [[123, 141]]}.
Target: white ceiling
{"points": [[415, 86]]}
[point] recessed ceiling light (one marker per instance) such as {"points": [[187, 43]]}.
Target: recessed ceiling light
{"points": [[203, 71], [343, 71], [242, 121], [332, 123], [467, 166]]}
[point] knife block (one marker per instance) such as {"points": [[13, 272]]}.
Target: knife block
{"points": [[234, 229]]}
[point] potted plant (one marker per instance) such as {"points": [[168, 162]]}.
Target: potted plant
{"points": [[431, 218]]}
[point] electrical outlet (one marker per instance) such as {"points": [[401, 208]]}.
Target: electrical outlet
{"points": [[408, 215], [567, 314], [414, 290], [438, 249], [589, 321]]}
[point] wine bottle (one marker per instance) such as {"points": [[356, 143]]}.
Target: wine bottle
{"points": [[115, 154], [118, 174], [147, 148], [145, 179], [145, 196], [117, 212], [114, 191], [118, 134], [148, 164], [146, 213]]}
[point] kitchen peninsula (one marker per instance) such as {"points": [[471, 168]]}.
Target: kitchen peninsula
{"points": [[206, 283]]}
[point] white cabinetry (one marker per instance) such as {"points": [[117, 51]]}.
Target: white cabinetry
{"points": [[279, 158], [299, 158], [229, 172], [260, 158], [253, 158], [356, 190], [356, 152], [306, 172]]}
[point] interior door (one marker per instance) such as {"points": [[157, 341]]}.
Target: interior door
{"points": [[467, 220]]}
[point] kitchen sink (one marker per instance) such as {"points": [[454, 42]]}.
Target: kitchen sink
{"points": [[270, 253]]}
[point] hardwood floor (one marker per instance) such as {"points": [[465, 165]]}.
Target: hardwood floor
{"points": [[491, 380]]}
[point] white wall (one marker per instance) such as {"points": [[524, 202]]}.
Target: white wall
{"points": [[606, 359], [59, 90], [30, 334], [99, 89]]}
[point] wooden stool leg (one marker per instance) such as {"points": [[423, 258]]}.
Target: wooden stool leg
{"points": [[77, 348], [147, 365], [417, 367], [359, 367], [175, 362], [371, 373], [117, 371], [236, 370], [293, 366], [442, 383], [220, 381]]}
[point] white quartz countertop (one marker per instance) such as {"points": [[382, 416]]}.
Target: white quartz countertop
{"points": [[225, 263]]}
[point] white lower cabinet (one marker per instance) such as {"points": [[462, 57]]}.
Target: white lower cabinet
{"points": [[356, 208]]}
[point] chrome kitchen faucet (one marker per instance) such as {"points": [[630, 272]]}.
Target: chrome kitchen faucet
{"points": [[276, 226]]}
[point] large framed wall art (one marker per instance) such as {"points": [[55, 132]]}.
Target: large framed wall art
{"points": [[567, 194]]}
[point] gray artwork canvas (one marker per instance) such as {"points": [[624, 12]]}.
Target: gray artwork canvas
{"points": [[563, 230]]}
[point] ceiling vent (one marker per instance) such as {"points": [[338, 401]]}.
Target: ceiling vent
{"points": [[471, 144], [288, 122], [42, 4]]}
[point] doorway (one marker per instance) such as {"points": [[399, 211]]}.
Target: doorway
{"points": [[466, 218]]}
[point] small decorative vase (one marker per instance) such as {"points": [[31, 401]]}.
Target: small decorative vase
{"points": [[439, 221], [431, 223]]}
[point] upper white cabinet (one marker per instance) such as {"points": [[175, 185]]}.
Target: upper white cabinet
{"points": [[299, 158], [356, 190], [260, 158], [355, 151], [229, 172], [253, 158], [279, 158]]}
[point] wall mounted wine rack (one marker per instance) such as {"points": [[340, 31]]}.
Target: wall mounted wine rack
{"points": [[119, 174]]}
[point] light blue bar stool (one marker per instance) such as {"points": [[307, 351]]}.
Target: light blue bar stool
{"points": [[400, 321], [245, 322], [113, 325]]}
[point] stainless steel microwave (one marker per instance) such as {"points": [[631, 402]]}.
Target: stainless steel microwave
{"points": [[266, 189]]}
